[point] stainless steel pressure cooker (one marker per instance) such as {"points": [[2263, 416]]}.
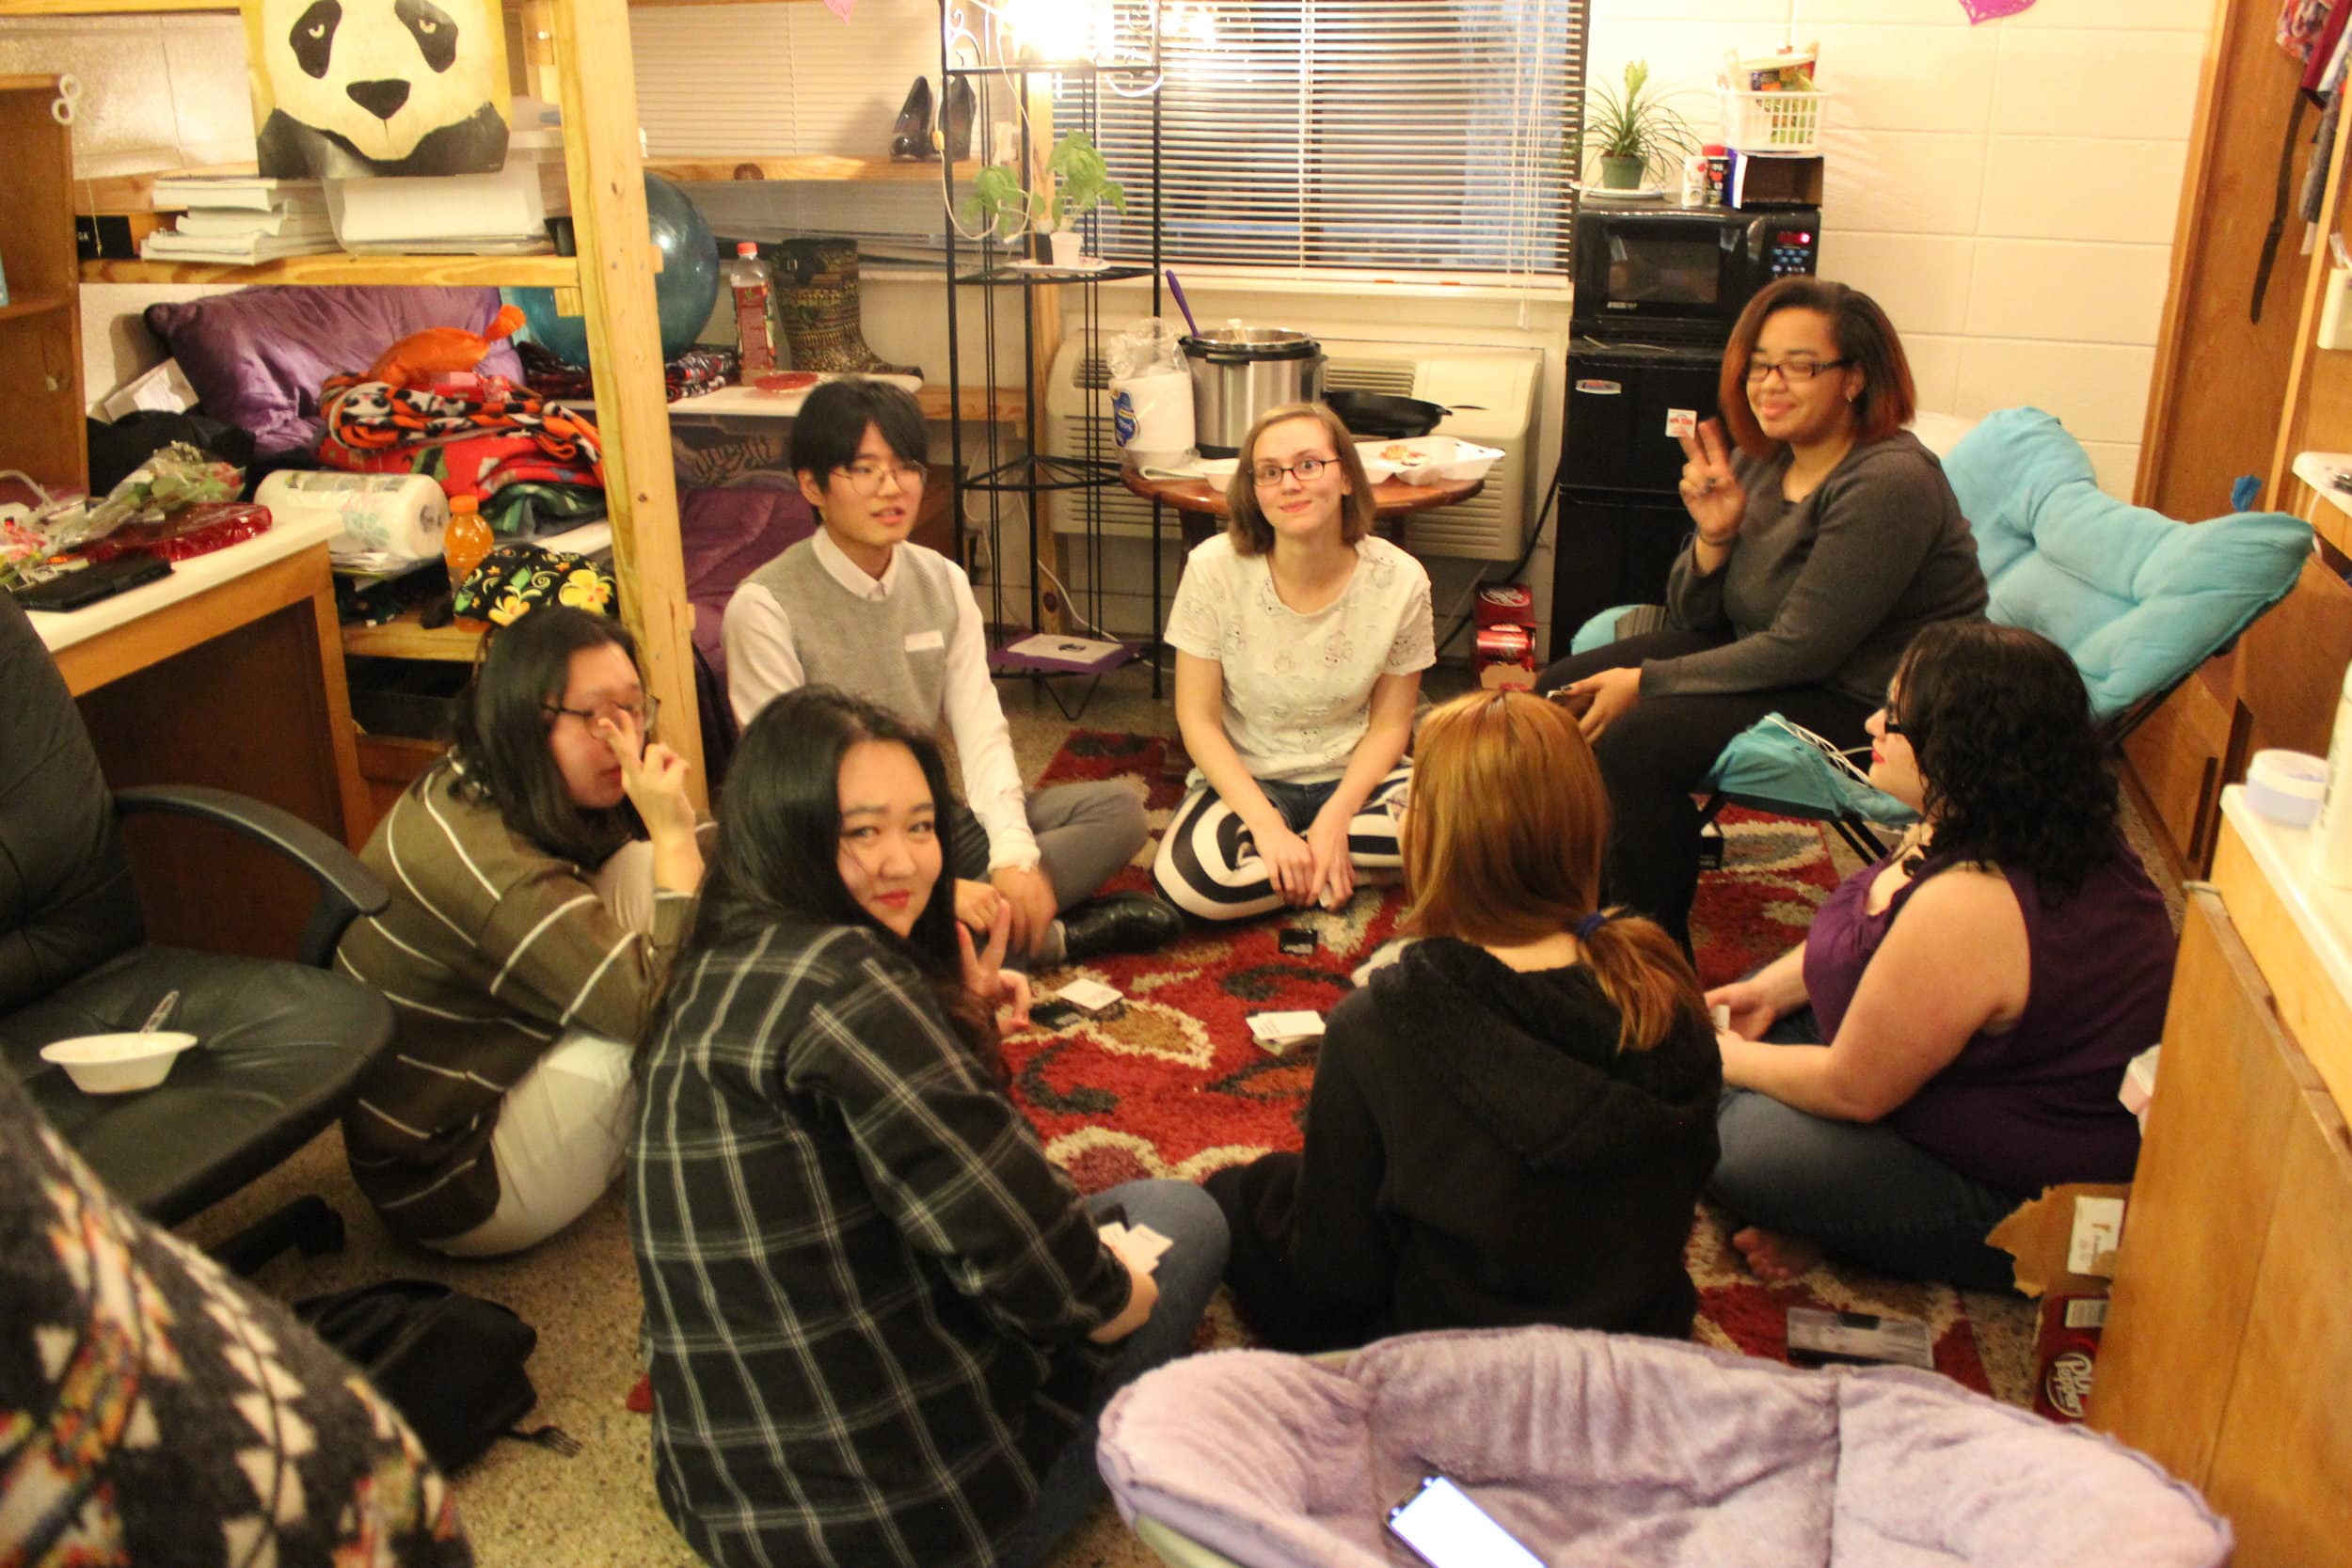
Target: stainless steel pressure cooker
{"points": [[1238, 372]]}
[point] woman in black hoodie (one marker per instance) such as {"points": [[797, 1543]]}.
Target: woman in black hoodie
{"points": [[1512, 1123]]}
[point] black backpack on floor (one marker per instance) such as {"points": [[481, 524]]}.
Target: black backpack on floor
{"points": [[450, 1363]]}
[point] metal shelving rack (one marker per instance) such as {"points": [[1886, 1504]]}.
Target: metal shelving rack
{"points": [[1032, 473]]}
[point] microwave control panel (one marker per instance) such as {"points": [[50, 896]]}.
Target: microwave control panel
{"points": [[1791, 252]]}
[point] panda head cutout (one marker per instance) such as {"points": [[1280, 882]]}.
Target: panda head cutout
{"points": [[379, 87]]}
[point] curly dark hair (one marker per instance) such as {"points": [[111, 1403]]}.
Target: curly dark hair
{"points": [[2009, 758]]}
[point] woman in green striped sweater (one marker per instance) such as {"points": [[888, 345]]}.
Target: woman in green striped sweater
{"points": [[542, 877]]}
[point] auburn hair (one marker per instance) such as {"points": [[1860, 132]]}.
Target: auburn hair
{"points": [[1503, 845], [1245, 519], [1866, 339]]}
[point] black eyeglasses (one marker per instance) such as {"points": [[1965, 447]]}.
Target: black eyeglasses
{"points": [[1796, 370], [1888, 722], [645, 715], [1267, 475]]}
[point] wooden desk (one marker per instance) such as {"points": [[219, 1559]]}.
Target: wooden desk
{"points": [[2229, 1347], [229, 673]]}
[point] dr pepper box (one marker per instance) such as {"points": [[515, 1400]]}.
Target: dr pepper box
{"points": [[1506, 604], [2064, 1245]]}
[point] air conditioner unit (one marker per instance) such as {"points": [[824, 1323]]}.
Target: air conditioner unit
{"points": [[1503, 382]]}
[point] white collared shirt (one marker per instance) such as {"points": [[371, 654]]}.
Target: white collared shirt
{"points": [[764, 663]]}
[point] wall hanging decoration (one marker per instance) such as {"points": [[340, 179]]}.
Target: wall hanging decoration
{"points": [[345, 88]]}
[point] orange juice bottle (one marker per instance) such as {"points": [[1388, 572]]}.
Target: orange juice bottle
{"points": [[468, 539]]}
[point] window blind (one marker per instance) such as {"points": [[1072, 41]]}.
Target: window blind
{"points": [[1390, 134]]}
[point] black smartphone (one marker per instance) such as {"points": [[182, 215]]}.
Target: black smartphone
{"points": [[1446, 1529], [70, 591]]}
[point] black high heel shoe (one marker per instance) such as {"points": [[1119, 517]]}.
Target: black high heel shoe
{"points": [[955, 120], [910, 136]]}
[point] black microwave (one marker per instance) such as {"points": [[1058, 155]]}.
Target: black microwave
{"points": [[1687, 266]]}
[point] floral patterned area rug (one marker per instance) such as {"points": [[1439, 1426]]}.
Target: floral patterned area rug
{"points": [[1174, 1085]]}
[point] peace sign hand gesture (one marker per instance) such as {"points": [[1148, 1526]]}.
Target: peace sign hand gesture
{"points": [[1005, 992], [1712, 494]]}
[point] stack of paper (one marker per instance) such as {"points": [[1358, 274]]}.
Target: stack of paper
{"points": [[239, 219], [501, 213], [1279, 1031]]}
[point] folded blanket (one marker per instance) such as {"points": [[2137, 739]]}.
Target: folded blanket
{"points": [[368, 422]]}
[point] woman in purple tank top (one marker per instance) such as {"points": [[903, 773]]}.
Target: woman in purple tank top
{"points": [[1980, 991]]}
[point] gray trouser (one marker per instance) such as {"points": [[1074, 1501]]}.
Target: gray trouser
{"points": [[1086, 833]]}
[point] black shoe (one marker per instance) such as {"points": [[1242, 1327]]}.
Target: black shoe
{"points": [[910, 136], [1119, 923], [955, 120]]}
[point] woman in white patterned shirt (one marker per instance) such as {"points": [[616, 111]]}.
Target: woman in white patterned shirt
{"points": [[880, 1322], [1300, 639]]}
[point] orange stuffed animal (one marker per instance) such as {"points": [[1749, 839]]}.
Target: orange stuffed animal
{"points": [[440, 351]]}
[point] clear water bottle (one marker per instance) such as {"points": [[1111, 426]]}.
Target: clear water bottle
{"points": [[756, 340]]}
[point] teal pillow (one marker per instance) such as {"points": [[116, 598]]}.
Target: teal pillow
{"points": [[2138, 599]]}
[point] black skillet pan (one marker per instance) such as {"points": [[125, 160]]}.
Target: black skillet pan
{"points": [[1384, 417]]}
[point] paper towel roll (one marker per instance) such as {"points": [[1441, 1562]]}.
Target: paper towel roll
{"points": [[1151, 417], [389, 521]]}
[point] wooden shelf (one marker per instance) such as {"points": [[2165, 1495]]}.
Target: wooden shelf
{"points": [[136, 192], [544, 272], [32, 305], [815, 169], [405, 636]]}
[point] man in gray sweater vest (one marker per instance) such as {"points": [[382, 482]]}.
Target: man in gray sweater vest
{"points": [[858, 607]]}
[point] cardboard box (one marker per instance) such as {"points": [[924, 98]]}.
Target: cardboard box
{"points": [[1506, 604], [1770, 179], [2064, 1244]]}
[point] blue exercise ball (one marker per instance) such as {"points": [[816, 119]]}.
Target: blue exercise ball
{"points": [[684, 290]]}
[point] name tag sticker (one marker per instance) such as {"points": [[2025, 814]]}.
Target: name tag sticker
{"points": [[924, 642]]}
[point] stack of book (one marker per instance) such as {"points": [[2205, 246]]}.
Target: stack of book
{"points": [[240, 219]]}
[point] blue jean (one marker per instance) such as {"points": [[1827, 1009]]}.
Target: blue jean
{"points": [[1861, 1190], [1188, 1275]]}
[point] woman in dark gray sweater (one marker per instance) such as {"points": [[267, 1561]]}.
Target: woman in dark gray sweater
{"points": [[1821, 545]]}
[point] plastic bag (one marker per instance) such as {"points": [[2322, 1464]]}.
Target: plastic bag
{"points": [[1150, 346], [1151, 394], [176, 475]]}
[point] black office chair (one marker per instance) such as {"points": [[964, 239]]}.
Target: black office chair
{"points": [[280, 1046]]}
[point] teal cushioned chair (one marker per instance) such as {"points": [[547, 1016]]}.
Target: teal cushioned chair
{"points": [[2138, 599]]}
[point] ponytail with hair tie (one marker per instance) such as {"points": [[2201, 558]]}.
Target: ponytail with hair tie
{"points": [[1643, 972]]}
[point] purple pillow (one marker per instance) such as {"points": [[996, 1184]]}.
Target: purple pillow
{"points": [[257, 358]]}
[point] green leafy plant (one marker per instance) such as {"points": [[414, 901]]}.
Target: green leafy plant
{"points": [[1638, 124], [1077, 181]]}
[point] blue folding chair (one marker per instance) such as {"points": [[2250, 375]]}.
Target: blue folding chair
{"points": [[2138, 599]]}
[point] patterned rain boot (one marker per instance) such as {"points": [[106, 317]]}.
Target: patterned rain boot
{"points": [[816, 298]]}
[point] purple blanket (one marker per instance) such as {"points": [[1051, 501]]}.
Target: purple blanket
{"points": [[1634, 1453]]}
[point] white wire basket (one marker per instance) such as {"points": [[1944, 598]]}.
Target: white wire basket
{"points": [[1772, 121]]}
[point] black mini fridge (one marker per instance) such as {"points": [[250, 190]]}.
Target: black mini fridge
{"points": [[1621, 516]]}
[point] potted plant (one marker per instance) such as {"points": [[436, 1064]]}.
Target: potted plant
{"points": [[1077, 181], [1634, 131]]}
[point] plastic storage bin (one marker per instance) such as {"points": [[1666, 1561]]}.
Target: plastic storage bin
{"points": [[1772, 121]]}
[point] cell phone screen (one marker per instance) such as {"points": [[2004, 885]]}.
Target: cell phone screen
{"points": [[1447, 1529]]}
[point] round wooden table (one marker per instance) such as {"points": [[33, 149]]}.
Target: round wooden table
{"points": [[1391, 499]]}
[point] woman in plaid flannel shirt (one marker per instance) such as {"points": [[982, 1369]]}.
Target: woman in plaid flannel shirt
{"points": [[881, 1322]]}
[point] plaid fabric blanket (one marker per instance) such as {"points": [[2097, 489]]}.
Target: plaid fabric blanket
{"points": [[698, 370]]}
